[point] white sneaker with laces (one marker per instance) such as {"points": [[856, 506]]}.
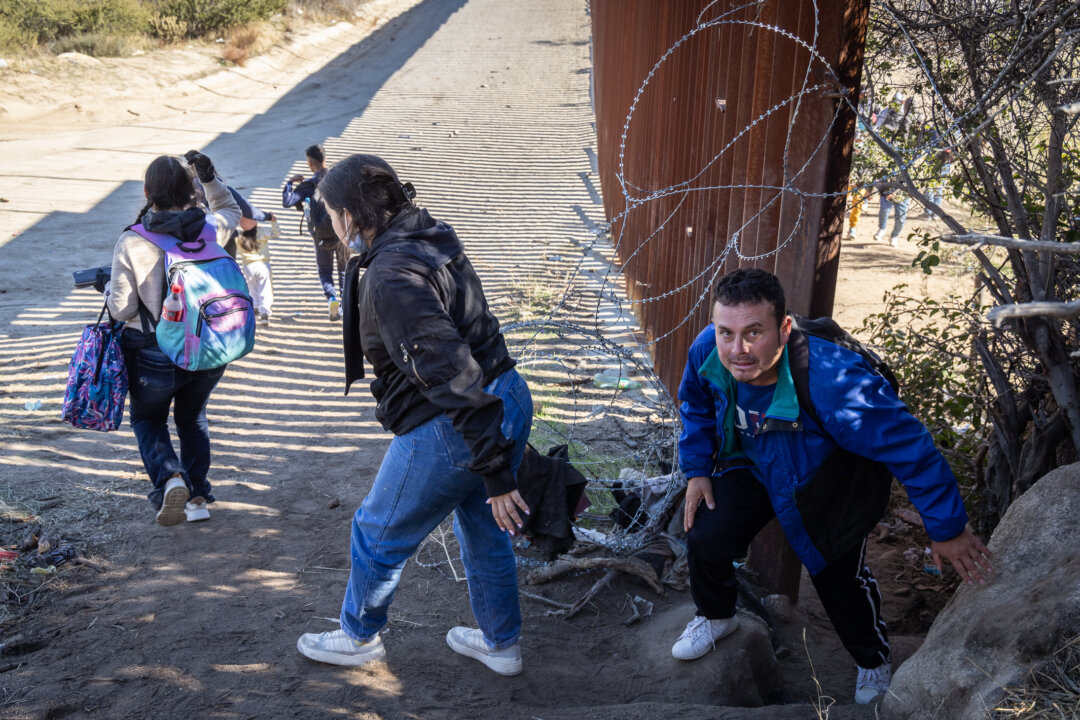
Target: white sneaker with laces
{"points": [[172, 502], [470, 642], [700, 636], [196, 511], [337, 648], [872, 683], [878, 235]]}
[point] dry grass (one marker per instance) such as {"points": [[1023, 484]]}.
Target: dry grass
{"points": [[1051, 693], [76, 511], [243, 43]]}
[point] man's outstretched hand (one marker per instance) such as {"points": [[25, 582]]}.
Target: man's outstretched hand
{"points": [[966, 554]]}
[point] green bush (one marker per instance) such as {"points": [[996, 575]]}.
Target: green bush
{"points": [[46, 21], [200, 17], [13, 37]]}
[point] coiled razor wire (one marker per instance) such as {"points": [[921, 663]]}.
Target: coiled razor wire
{"points": [[588, 338]]}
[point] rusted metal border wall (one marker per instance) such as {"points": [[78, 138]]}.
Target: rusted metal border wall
{"points": [[695, 123], [724, 145]]}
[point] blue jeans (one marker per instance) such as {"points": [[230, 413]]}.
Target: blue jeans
{"points": [[153, 384], [887, 207], [324, 261], [424, 476]]}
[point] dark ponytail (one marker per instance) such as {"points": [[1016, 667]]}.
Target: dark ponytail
{"points": [[168, 185], [368, 189]]}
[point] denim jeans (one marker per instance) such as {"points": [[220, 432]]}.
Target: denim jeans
{"points": [[324, 261], [887, 207], [424, 476], [153, 384]]}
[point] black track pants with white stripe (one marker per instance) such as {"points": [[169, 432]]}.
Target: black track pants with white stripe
{"points": [[847, 588]]}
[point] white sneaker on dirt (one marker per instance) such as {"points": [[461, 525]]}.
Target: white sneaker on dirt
{"points": [[470, 643], [337, 648], [851, 233], [335, 309], [194, 512], [878, 235], [894, 240], [700, 636], [172, 502], [872, 683]]}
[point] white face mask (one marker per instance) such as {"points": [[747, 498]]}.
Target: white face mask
{"points": [[356, 243]]}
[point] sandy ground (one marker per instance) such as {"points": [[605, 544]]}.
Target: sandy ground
{"points": [[201, 620]]}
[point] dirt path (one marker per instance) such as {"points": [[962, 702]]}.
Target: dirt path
{"points": [[484, 106]]}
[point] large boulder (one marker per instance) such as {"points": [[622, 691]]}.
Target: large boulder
{"points": [[989, 636]]}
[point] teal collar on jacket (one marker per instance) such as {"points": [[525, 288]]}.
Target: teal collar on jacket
{"points": [[785, 404]]}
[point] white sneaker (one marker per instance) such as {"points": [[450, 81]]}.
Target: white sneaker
{"points": [[470, 643], [700, 636], [878, 235], [335, 309], [872, 683], [851, 233], [894, 240], [194, 512], [172, 502], [337, 648]]}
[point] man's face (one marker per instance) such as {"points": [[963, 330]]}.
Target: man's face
{"points": [[749, 342]]}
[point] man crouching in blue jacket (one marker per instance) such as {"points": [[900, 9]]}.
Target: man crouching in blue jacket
{"points": [[751, 452]]}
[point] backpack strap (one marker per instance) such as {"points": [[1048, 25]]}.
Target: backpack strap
{"points": [[798, 347], [203, 247]]}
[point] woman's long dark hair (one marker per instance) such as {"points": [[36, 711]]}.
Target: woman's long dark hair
{"points": [[168, 185], [368, 189]]}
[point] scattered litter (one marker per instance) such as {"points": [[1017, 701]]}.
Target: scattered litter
{"points": [[555, 258], [333, 504], [58, 555], [33, 405], [931, 570], [608, 380], [43, 570], [8, 554], [3, 63], [220, 40]]}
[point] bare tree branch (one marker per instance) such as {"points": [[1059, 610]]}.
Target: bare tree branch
{"points": [[979, 239], [1066, 310]]}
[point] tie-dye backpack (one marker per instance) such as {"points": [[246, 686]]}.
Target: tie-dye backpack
{"points": [[217, 323], [97, 380]]}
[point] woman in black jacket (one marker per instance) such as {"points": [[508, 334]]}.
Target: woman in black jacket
{"points": [[446, 387]]}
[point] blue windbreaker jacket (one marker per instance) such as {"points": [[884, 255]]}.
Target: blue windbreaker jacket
{"points": [[860, 413]]}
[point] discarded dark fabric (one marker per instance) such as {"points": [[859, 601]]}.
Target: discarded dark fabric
{"points": [[552, 488]]}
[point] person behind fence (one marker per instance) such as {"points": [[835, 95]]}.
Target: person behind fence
{"points": [[300, 194], [752, 450], [446, 387], [136, 293]]}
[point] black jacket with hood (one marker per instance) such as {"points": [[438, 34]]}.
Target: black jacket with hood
{"points": [[419, 316]]}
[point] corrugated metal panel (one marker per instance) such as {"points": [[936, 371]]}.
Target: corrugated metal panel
{"points": [[724, 113], [697, 122]]}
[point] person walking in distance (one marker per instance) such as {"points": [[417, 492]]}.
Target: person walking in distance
{"points": [[299, 193]]}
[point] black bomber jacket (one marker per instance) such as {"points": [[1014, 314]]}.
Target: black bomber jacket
{"points": [[419, 316]]}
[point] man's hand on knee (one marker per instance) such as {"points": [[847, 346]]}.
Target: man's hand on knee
{"points": [[697, 489]]}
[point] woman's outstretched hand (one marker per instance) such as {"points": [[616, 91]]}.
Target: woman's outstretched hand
{"points": [[505, 510]]}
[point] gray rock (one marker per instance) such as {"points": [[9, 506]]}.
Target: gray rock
{"points": [[741, 671], [988, 637]]}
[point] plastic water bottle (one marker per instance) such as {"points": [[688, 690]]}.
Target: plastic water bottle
{"points": [[173, 307]]}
